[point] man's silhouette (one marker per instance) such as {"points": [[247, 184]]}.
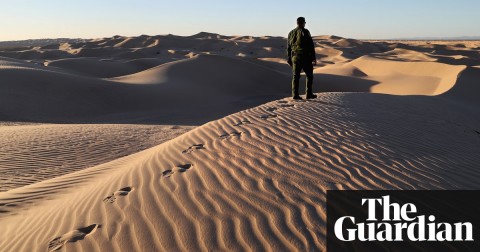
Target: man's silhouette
{"points": [[301, 56]]}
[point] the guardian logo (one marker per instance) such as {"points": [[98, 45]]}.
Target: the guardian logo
{"points": [[403, 220], [390, 221]]}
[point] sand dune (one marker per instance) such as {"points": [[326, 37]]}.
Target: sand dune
{"points": [[369, 74], [120, 177], [409, 78], [45, 94], [406, 55], [257, 183], [32, 153], [42, 93], [100, 68], [343, 42]]}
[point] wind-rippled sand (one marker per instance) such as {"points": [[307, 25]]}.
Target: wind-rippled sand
{"points": [[33, 153], [255, 180]]}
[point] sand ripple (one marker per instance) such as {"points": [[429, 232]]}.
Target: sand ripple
{"points": [[256, 186]]}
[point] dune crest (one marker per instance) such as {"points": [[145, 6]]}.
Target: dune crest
{"points": [[258, 181]]}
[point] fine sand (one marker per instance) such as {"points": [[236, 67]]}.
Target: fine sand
{"points": [[95, 153]]}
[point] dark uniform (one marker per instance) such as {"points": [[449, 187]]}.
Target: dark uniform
{"points": [[301, 52]]}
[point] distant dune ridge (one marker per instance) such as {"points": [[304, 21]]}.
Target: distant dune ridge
{"points": [[36, 42], [95, 153]]}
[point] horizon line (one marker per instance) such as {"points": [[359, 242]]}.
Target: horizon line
{"points": [[432, 38]]}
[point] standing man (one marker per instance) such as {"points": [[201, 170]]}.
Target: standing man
{"points": [[301, 55]]}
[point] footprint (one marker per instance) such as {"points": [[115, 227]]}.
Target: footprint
{"points": [[232, 134], [282, 102], [122, 192], [183, 168], [193, 148], [287, 105], [72, 236], [236, 133], [271, 109], [178, 168], [264, 117], [167, 173], [243, 122]]}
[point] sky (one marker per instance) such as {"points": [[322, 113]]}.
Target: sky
{"points": [[360, 19]]}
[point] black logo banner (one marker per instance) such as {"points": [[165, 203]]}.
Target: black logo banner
{"points": [[403, 220]]}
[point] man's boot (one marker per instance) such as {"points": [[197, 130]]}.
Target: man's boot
{"points": [[309, 90], [295, 84]]}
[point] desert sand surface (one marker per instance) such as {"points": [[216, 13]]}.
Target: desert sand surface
{"points": [[32, 153], [173, 143]]}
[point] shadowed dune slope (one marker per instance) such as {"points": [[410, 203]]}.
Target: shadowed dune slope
{"points": [[254, 180], [101, 68], [467, 87], [227, 85]]}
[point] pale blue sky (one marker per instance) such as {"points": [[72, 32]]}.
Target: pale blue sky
{"points": [[24, 19]]}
